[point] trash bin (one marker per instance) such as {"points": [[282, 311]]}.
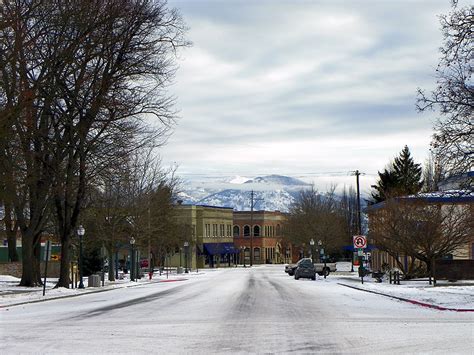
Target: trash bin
{"points": [[94, 281], [179, 270]]}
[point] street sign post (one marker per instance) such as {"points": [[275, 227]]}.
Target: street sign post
{"points": [[47, 253], [360, 241]]}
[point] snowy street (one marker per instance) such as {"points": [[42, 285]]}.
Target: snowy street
{"points": [[257, 310]]}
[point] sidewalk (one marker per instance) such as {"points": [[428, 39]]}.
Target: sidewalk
{"points": [[13, 295], [445, 296]]}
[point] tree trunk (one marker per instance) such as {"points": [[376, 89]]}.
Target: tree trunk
{"points": [[64, 279], [12, 253], [111, 264], [37, 258], [11, 231], [29, 275]]}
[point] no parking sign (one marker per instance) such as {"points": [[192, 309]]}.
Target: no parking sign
{"points": [[360, 241]]}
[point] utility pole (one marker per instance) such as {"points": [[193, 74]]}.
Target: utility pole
{"points": [[359, 221], [251, 228], [252, 205], [357, 173]]}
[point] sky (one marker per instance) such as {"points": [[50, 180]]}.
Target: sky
{"points": [[308, 89]]}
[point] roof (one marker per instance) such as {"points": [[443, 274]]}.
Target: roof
{"points": [[449, 196]]}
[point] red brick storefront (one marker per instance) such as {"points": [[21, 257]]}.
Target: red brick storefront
{"points": [[267, 241]]}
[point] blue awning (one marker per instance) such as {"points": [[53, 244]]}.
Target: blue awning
{"points": [[370, 247], [220, 248]]}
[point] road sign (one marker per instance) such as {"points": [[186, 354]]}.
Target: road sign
{"points": [[47, 251], [360, 241]]}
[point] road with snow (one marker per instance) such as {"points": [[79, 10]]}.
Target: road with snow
{"points": [[257, 310]]}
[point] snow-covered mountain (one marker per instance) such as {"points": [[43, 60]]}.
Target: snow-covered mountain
{"points": [[277, 180], [271, 193]]}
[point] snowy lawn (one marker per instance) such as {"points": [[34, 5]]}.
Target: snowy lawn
{"points": [[459, 295], [11, 293]]}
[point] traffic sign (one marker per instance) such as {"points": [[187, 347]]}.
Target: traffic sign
{"points": [[360, 241]]}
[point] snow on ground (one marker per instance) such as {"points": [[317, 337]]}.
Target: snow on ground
{"points": [[11, 293], [446, 294], [235, 310], [458, 295]]}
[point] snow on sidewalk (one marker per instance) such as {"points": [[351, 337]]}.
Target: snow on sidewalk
{"points": [[12, 294], [445, 295]]}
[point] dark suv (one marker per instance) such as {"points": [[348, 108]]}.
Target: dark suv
{"points": [[306, 269]]}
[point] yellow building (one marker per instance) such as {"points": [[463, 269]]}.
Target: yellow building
{"points": [[211, 242]]}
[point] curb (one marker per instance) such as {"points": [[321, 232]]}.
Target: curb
{"points": [[89, 292], [418, 303]]}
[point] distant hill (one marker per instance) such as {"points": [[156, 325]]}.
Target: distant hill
{"points": [[272, 192]]}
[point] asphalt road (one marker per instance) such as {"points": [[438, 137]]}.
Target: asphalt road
{"points": [[257, 310]]}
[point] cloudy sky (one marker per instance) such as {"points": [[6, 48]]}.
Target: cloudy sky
{"points": [[309, 89]]}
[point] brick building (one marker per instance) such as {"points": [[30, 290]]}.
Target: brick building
{"points": [[267, 230]]}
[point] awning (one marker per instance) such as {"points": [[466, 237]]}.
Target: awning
{"points": [[369, 247], [220, 248]]}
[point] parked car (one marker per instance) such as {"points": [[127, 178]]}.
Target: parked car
{"points": [[305, 269], [290, 268], [320, 268]]}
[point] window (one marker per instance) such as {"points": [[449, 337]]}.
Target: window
{"points": [[256, 231], [246, 231], [229, 230], [222, 230], [214, 230], [236, 231], [256, 253], [208, 230], [278, 230]]}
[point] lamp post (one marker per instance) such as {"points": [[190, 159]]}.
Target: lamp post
{"points": [[132, 260], [186, 248], [311, 242], [180, 259], [80, 232], [320, 243]]}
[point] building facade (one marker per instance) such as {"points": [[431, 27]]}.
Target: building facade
{"points": [[210, 241], [446, 202], [262, 230]]}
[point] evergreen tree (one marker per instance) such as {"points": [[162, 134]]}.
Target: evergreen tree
{"points": [[403, 177], [407, 173], [385, 185]]}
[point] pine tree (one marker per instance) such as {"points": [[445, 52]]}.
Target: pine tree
{"points": [[403, 177], [385, 185], [408, 173]]}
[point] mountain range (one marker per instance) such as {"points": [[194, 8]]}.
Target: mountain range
{"points": [[271, 192]]}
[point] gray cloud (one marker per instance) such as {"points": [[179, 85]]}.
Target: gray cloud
{"points": [[268, 82]]}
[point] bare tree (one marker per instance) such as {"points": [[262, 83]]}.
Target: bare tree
{"points": [[433, 173], [319, 217], [421, 230], [77, 80], [454, 92]]}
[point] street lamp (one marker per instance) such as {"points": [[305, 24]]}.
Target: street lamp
{"points": [[186, 248], [324, 258], [80, 232], [132, 260], [311, 242]]}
